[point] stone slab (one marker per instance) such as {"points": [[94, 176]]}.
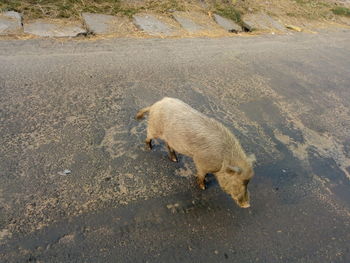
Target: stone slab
{"points": [[262, 21], [153, 26], [186, 22], [227, 24], [101, 24], [10, 23], [53, 29]]}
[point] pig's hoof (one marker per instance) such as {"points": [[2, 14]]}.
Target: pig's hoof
{"points": [[201, 185], [174, 159], [148, 148], [149, 145]]}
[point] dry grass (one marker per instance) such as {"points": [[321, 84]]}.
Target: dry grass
{"points": [[165, 6], [33, 9], [310, 9]]}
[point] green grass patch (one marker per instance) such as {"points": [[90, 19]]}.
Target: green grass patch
{"points": [[341, 11], [229, 12]]}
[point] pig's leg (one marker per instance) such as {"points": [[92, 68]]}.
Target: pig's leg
{"points": [[201, 180], [201, 172], [200, 176], [148, 144], [172, 154], [149, 138]]}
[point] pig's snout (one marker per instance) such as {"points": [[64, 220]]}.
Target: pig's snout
{"points": [[243, 201], [247, 205], [242, 204]]}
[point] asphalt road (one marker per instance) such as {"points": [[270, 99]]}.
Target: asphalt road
{"points": [[71, 105]]}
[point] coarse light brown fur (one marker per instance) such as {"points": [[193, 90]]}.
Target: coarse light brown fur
{"points": [[212, 146]]}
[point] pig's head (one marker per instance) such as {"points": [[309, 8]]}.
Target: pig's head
{"points": [[234, 179]]}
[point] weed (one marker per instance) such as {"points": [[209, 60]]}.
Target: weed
{"points": [[229, 12], [342, 11]]}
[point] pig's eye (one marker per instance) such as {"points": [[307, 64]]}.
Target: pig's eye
{"points": [[245, 182]]}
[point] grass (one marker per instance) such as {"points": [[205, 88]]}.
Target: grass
{"points": [[232, 9], [164, 6], [33, 9], [342, 11], [229, 12], [310, 9]]}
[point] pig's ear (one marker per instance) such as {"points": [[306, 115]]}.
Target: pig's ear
{"points": [[252, 158], [233, 169]]}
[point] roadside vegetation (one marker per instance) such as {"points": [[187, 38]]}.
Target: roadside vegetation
{"points": [[342, 11], [230, 12], [233, 9], [33, 9]]}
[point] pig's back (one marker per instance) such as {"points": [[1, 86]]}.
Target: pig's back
{"points": [[185, 129]]}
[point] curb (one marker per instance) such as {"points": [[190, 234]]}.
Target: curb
{"points": [[180, 23]]}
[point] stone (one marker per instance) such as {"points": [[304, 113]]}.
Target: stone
{"points": [[106, 24], [100, 24], [53, 29], [153, 26], [261, 21], [186, 22], [10, 23], [14, 15], [227, 24]]}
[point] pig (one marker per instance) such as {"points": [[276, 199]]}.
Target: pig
{"points": [[213, 148]]}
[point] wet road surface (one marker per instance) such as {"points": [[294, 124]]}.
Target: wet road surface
{"points": [[71, 105]]}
